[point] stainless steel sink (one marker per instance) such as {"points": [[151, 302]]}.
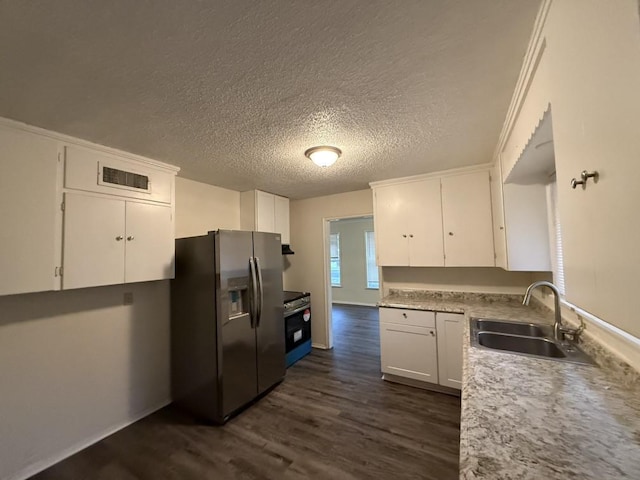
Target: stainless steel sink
{"points": [[524, 339], [513, 328], [515, 343]]}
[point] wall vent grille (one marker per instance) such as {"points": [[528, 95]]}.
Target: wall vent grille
{"points": [[126, 179]]}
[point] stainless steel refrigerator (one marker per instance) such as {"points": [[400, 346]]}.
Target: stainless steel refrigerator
{"points": [[227, 321]]}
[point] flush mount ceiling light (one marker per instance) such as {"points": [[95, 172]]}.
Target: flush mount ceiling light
{"points": [[323, 156]]}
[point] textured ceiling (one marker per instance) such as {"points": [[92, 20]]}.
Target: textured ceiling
{"points": [[235, 91]]}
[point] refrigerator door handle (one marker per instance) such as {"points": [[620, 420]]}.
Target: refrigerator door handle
{"points": [[254, 293], [261, 291]]}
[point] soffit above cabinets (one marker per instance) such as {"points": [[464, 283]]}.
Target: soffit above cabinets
{"points": [[234, 92], [536, 164]]}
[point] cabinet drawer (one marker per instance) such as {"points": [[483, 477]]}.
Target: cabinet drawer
{"points": [[94, 171], [401, 316]]}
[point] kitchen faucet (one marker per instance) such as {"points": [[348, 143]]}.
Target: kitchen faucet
{"points": [[558, 329]]}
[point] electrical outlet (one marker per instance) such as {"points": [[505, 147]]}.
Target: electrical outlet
{"points": [[128, 298]]}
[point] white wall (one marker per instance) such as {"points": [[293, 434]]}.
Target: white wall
{"points": [[353, 268], [201, 208], [304, 271], [77, 365]]}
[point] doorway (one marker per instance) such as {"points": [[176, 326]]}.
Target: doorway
{"points": [[352, 276]]}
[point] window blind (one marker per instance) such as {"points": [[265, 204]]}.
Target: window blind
{"points": [[555, 237], [334, 252], [372, 268]]}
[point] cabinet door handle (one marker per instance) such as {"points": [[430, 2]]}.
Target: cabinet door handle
{"points": [[130, 237], [119, 237], [451, 234], [411, 235], [433, 334], [404, 315], [404, 236], [575, 183], [587, 175]]}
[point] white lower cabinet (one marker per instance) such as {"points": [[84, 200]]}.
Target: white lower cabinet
{"points": [[408, 344], [449, 327], [109, 241], [422, 345]]}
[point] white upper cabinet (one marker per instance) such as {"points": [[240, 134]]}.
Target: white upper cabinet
{"points": [[466, 214], [390, 225], [408, 224], [435, 221], [118, 220], [150, 244], [110, 240], [594, 51], [282, 218], [583, 70], [497, 210], [30, 211], [79, 215], [94, 241], [94, 171], [265, 212], [525, 165], [424, 223], [527, 228], [520, 217]]}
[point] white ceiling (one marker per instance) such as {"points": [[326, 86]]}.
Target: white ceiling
{"points": [[234, 91]]}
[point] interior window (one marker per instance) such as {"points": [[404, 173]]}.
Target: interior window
{"points": [[370, 252], [334, 243]]}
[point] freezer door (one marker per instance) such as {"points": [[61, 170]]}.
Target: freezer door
{"points": [[267, 251], [237, 338]]}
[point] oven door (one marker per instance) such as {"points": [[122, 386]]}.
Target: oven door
{"points": [[297, 327]]}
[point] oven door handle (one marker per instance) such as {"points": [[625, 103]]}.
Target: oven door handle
{"points": [[297, 310]]}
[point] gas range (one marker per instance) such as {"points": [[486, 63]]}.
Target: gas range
{"points": [[295, 300], [290, 296], [297, 325]]}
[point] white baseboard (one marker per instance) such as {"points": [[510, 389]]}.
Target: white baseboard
{"points": [[319, 345], [359, 304], [87, 442]]}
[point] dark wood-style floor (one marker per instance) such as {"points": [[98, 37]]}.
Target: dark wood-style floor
{"points": [[332, 418]]}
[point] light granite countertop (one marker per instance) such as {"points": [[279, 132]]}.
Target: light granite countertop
{"points": [[528, 418]]}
